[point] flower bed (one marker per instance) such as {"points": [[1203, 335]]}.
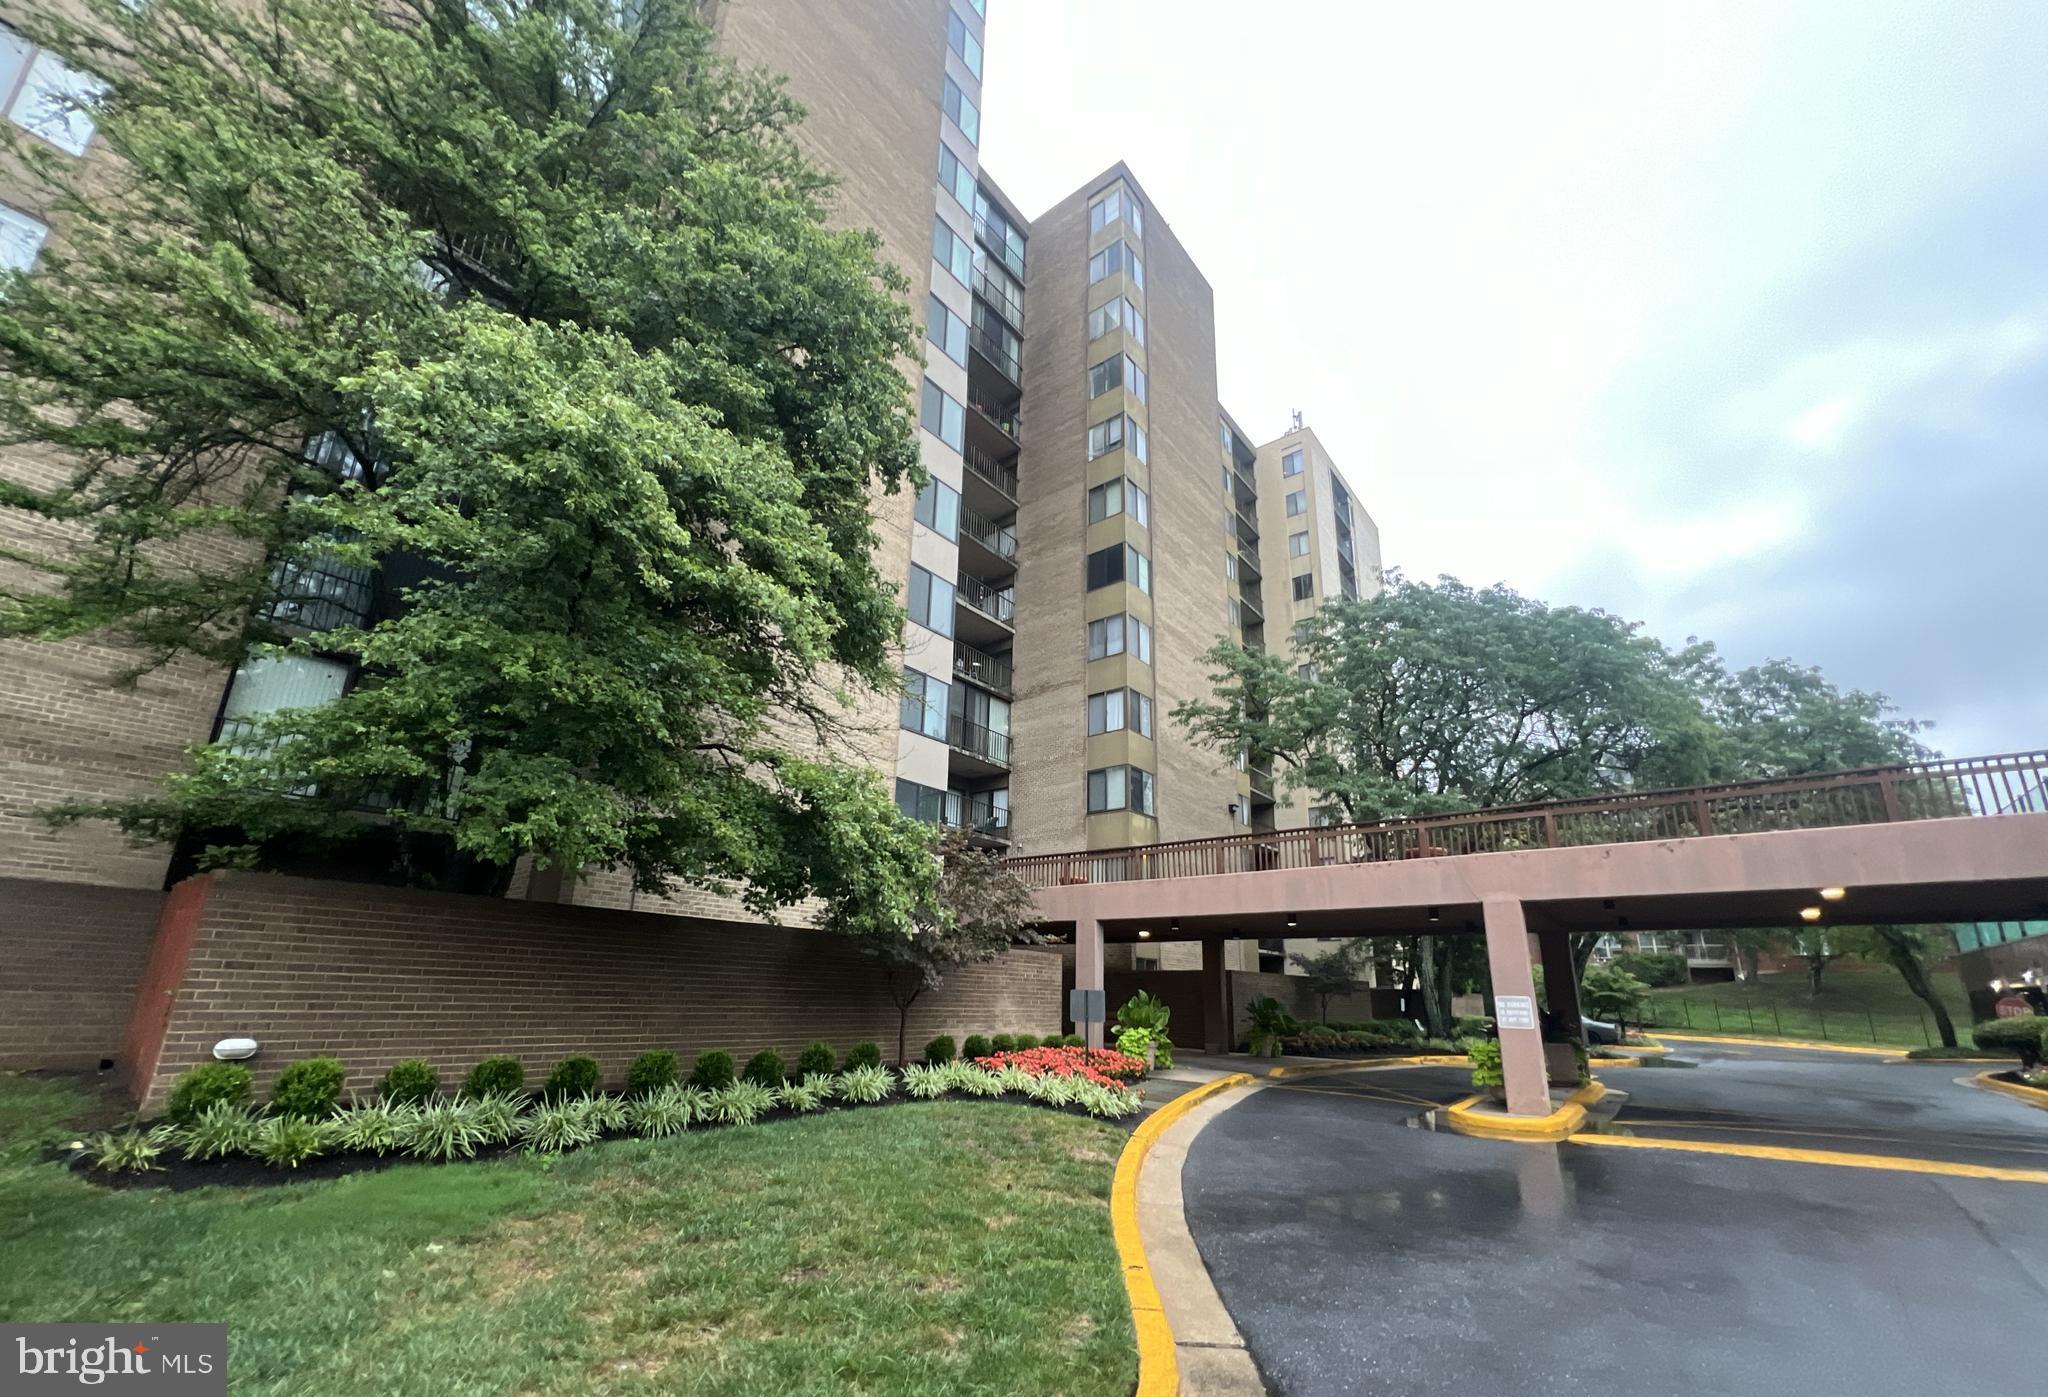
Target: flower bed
{"points": [[1103, 1066]]}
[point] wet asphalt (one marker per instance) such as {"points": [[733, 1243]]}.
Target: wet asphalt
{"points": [[1360, 1255]]}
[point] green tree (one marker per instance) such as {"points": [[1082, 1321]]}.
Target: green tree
{"points": [[1913, 951], [1609, 992], [522, 320], [980, 909], [1333, 971]]}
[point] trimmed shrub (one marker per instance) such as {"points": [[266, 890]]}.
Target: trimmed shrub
{"points": [[128, 1151], [375, 1127], [1027, 1040], [309, 1089], [818, 1060], [764, 1068], [224, 1128], [863, 1055], [287, 1141], [444, 1130], [1466, 1026], [1005, 1042], [2022, 1038], [651, 1071], [977, 1045], [496, 1076], [208, 1084], [555, 1126], [409, 1082], [939, 1050], [867, 1084], [1938, 1053], [1486, 1069], [573, 1076], [1657, 969], [743, 1102], [713, 1070]]}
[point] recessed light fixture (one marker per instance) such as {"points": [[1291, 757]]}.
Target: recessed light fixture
{"points": [[1174, 926], [1607, 904], [1809, 914], [1833, 894], [1621, 922], [1432, 914], [1144, 933], [1292, 920]]}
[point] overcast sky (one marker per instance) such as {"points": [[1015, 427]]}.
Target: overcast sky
{"points": [[1730, 318]]}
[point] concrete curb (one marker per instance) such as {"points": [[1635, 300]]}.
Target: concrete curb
{"points": [[2033, 1096], [1315, 1069], [1158, 1370], [1807, 1044], [1498, 1125]]}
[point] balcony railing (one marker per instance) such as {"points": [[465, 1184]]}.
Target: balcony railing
{"points": [[1246, 530], [999, 539], [980, 740], [980, 667], [1248, 563], [991, 237], [1005, 418], [996, 603], [1000, 474], [991, 348], [986, 821], [999, 297]]}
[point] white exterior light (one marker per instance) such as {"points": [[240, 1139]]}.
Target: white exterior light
{"points": [[234, 1049]]}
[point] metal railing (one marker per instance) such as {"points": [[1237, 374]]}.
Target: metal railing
{"points": [[1005, 305], [1000, 474], [996, 603], [999, 539], [980, 667], [1006, 420], [1874, 795], [996, 352], [980, 740], [986, 821]]}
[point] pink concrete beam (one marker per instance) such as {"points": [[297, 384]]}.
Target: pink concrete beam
{"points": [[1521, 1049]]}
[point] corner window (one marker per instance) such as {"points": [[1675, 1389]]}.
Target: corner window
{"points": [[946, 330], [1106, 637], [1297, 545], [927, 803], [21, 239], [1139, 446], [52, 98], [1105, 437], [1297, 503], [964, 113], [1139, 504], [964, 43], [1304, 586], [1290, 464], [1141, 648], [942, 416], [1117, 257], [1119, 563], [1105, 500], [924, 704], [1105, 712], [955, 178], [938, 509], [951, 251], [1120, 788], [931, 601]]}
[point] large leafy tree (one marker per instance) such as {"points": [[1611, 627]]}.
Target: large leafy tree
{"points": [[527, 311], [1913, 951]]}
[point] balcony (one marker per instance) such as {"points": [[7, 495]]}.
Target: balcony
{"points": [[1247, 531], [1248, 562], [999, 300], [1001, 474], [991, 672], [1004, 417], [1252, 601], [987, 549], [989, 234], [986, 751], [985, 822], [991, 348], [983, 615]]}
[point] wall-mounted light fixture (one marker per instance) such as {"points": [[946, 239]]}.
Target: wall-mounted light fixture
{"points": [[1833, 894], [1144, 933], [235, 1049], [1809, 914]]}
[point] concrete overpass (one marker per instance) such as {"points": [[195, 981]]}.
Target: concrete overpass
{"points": [[1944, 841]]}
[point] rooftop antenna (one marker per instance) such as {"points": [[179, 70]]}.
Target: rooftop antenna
{"points": [[1297, 420]]}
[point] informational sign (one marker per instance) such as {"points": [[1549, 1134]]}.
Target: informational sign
{"points": [[1086, 1006], [1514, 1011]]}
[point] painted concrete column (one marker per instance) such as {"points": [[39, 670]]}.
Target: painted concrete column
{"points": [[1216, 1026], [1521, 1049], [1088, 969]]}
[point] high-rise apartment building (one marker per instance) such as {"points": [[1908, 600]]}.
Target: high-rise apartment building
{"points": [[1065, 569]]}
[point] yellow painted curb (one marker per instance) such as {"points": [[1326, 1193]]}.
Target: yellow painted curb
{"points": [[1898, 1164], [1558, 1125], [1310, 1069], [1808, 1044], [1158, 1372], [2018, 1091]]}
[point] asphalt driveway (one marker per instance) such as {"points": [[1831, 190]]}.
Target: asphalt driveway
{"points": [[1360, 1255]]}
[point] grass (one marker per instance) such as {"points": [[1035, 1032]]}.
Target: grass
{"points": [[943, 1247], [1857, 1004]]}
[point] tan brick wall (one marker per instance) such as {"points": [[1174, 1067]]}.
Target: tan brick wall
{"points": [[70, 959], [371, 975]]}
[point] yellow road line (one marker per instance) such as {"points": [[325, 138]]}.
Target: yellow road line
{"points": [[2018, 1091], [1363, 1094], [1821, 1047], [1158, 1371], [1813, 1134], [1898, 1164], [1314, 1069]]}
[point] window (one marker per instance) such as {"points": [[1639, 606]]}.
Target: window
{"points": [[1134, 323], [1305, 673], [1135, 376], [1104, 319], [1141, 571], [1297, 544], [51, 100], [964, 113], [981, 8], [1106, 375], [927, 803], [943, 416], [963, 43], [951, 251], [1304, 586], [1105, 500], [266, 684], [1139, 445], [998, 343], [1297, 503], [946, 330], [924, 704], [1119, 563], [1290, 464], [1141, 713], [955, 178], [1117, 257], [1106, 712], [995, 228], [1140, 504], [1002, 289], [931, 601], [1120, 788], [1142, 648], [1117, 204], [1106, 637], [1105, 437], [21, 238], [938, 509]]}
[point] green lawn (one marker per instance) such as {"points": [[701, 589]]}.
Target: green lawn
{"points": [[1857, 1004], [941, 1247]]}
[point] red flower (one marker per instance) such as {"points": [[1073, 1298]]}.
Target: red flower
{"points": [[1103, 1066]]}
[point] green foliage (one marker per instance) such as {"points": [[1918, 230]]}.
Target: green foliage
{"points": [[444, 1130], [2025, 1038], [206, 1085], [1269, 1015], [939, 1050], [1136, 1040], [1465, 1028], [1486, 1066], [713, 1070], [744, 1102], [1026, 1041], [287, 1140], [1334, 971], [1051, 1089], [862, 1055], [1656, 969], [818, 1060], [1941, 1053], [652, 1071], [979, 1045], [1144, 1010], [309, 1089], [924, 1080], [376, 1127], [495, 1076], [494, 1117], [1004, 1042], [1104, 1102], [764, 1068], [661, 388], [573, 1076], [864, 1086], [557, 1124], [223, 1128], [128, 1151], [606, 1114], [801, 1097], [409, 1081], [667, 1111], [1609, 992]]}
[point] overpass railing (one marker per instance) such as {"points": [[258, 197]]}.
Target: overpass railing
{"points": [[1875, 795]]}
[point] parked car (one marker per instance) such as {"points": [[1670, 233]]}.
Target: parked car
{"points": [[1600, 1033]]}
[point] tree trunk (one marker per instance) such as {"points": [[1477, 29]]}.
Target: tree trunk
{"points": [[1907, 962], [1814, 966], [1433, 981]]}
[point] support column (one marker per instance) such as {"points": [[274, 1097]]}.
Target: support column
{"points": [[1088, 970], [1216, 1026], [1560, 978], [1521, 1049]]}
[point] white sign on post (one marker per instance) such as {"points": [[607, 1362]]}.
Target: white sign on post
{"points": [[1514, 1011]]}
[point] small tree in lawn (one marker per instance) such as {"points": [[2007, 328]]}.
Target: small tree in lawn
{"points": [[1912, 951], [982, 909], [1334, 971], [1612, 993]]}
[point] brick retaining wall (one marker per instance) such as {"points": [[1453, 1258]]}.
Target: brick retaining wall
{"points": [[70, 957]]}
